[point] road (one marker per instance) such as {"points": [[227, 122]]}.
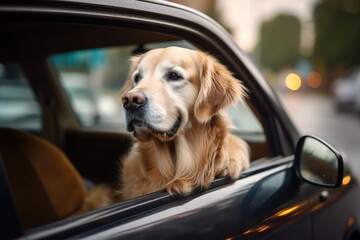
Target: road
{"points": [[314, 114]]}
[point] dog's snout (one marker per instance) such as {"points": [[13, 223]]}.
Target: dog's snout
{"points": [[133, 100]]}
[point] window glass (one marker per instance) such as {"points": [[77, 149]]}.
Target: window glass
{"points": [[245, 123], [92, 79], [18, 105]]}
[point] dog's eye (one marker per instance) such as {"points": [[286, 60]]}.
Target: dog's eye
{"points": [[173, 76], [137, 77]]}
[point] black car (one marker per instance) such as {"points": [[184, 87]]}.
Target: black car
{"points": [[296, 187]]}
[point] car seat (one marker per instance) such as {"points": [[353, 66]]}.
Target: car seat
{"points": [[45, 185]]}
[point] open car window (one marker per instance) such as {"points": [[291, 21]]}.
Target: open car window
{"points": [[92, 79]]}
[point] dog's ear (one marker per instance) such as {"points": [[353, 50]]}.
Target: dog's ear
{"points": [[218, 88], [128, 85]]}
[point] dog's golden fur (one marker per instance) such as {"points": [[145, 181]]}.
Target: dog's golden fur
{"points": [[183, 140]]}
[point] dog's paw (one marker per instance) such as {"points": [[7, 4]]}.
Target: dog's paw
{"points": [[235, 167], [234, 170], [181, 187]]}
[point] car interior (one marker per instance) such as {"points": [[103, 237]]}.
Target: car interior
{"points": [[75, 137]]}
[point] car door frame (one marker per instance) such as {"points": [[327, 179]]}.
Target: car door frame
{"points": [[202, 29]]}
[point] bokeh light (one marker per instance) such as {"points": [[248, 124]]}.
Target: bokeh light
{"points": [[293, 81], [314, 80], [346, 180]]}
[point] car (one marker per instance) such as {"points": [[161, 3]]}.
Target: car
{"points": [[18, 106], [297, 187], [346, 92]]}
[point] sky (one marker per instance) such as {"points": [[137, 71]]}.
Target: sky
{"points": [[244, 17]]}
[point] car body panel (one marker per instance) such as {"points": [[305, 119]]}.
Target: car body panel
{"points": [[253, 207], [262, 204]]}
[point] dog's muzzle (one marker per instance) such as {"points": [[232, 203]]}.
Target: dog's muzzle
{"points": [[135, 104]]}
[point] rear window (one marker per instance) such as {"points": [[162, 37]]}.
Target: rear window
{"points": [[18, 105]]}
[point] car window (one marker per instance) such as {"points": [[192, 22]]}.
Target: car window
{"points": [[92, 79], [247, 125], [91, 69], [18, 105]]}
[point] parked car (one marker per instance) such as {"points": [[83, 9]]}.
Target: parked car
{"points": [[346, 92], [18, 105], [296, 187], [83, 100]]}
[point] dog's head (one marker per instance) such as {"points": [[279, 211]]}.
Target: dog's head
{"points": [[170, 87]]}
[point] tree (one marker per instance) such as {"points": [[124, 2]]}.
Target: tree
{"points": [[337, 27], [337, 41], [280, 42]]}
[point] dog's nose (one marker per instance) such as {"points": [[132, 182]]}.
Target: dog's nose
{"points": [[133, 100]]}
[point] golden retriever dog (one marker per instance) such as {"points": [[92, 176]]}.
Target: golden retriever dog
{"points": [[174, 100]]}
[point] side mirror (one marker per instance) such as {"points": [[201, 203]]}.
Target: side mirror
{"points": [[317, 162]]}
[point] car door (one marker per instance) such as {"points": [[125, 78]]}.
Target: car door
{"points": [[263, 205]]}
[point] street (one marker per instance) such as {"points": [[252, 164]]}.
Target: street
{"points": [[315, 114]]}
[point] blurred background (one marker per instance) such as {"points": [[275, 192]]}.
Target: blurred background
{"points": [[309, 51]]}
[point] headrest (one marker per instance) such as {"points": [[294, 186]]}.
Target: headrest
{"points": [[45, 185]]}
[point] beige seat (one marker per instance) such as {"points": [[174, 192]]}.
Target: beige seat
{"points": [[45, 185]]}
